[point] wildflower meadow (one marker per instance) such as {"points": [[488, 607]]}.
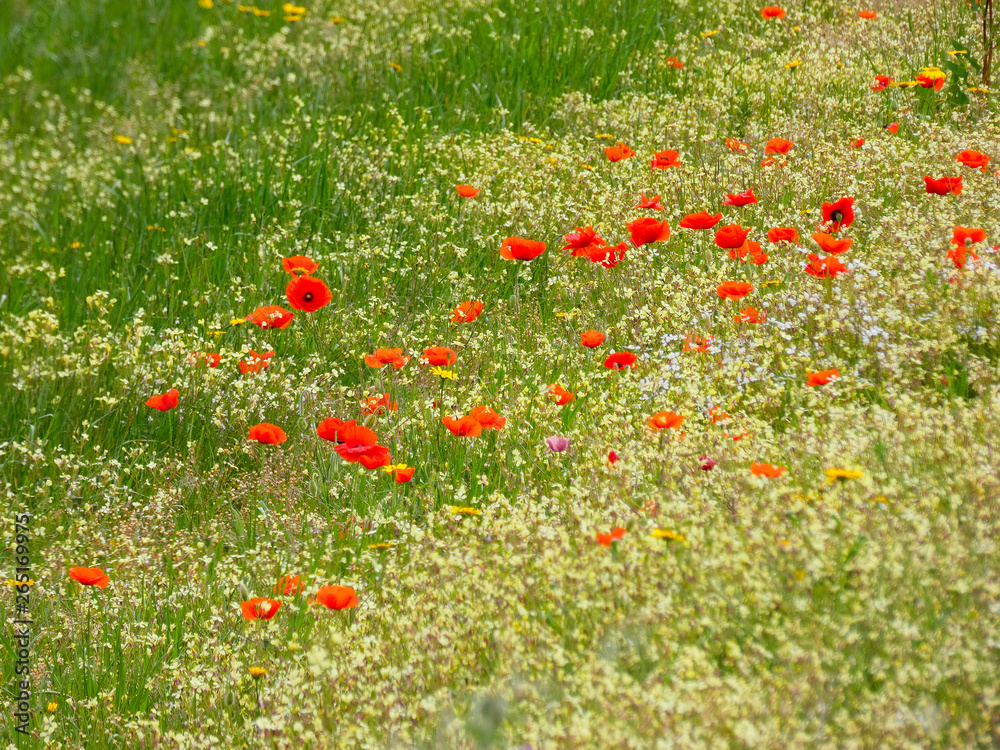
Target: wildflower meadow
{"points": [[528, 374]]}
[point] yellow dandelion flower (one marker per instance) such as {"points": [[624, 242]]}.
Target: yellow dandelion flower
{"points": [[124, 140], [672, 536], [257, 672], [396, 66], [605, 136], [259, 12], [11, 582], [707, 34], [793, 64], [466, 511], [202, 42], [536, 140], [832, 475], [237, 321], [293, 10], [394, 467], [53, 706], [336, 19], [206, 4], [443, 373], [381, 545]]}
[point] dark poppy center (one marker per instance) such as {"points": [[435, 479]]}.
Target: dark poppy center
{"points": [[837, 216], [308, 296]]}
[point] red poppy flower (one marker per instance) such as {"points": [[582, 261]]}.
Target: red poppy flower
{"points": [[90, 577], [858, 143], [770, 162], [402, 476], [881, 83], [271, 316], [673, 62], [966, 236], [379, 404], [582, 241], [560, 395], [751, 315], [750, 248], [734, 289], [467, 191], [731, 235], [772, 11], [702, 220], [740, 199], [607, 539], [260, 609], [609, 257], [288, 585], [333, 429], [778, 146], [488, 418], [827, 268], [766, 470], [267, 433], [620, 361], [360, 445], [665, 160], [299, 265], [649, 204], [200, 359], [757, 256], [308, 294], [383, 357], [867, 14], [257, 362], [467, 311], [822, 377], [893, 127], [664, 420], [839, 214], [974, 159], [646, 231], [935, 82], [463, 426], [164, 401], [718, 416], [782, 234], [734, 145], [518, 248], [618, 152], [337, 597], [591, 339], [440, 356], [612, 458], [959, 255], [832, 245], [944, 185], [695, 343]]}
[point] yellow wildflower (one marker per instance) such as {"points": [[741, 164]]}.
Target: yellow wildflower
{"points": [[206, 4], [257, 672], [793, 64], [707, 34], [381, 545], [672, 536], [124, 140], [832, 475], [396, 66], [466, 511], [443, 373], [293, 10], [52, 707]]}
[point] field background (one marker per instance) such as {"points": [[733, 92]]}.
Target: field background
{"points": [[158, 159]]}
